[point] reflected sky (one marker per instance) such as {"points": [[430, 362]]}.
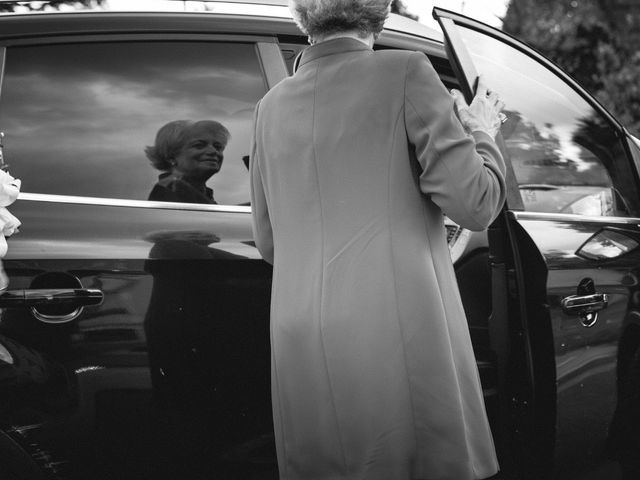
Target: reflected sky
{"points": [[559, 239], [84, 112]]}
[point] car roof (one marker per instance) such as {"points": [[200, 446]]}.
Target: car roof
{"points": [[261, 8]]}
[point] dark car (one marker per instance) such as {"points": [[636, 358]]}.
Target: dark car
{"points": [[134, 336]]}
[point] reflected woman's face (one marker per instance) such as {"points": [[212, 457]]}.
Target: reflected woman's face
{"points": [[202, 154]]}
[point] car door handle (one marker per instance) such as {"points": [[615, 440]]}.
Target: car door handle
{"points": [[584, 304], [77, 297]]}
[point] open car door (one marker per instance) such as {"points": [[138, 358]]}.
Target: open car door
{"points": [[565, 323]]}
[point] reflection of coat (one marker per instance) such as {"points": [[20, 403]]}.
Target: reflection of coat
{"points": [[174, 189], [373, 373]]}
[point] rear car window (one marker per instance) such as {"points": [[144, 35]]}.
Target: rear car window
{"points": [[78, 116]]}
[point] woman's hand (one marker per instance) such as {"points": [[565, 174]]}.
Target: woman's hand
{"points": [[484, 113]]}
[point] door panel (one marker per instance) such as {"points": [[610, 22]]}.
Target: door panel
{"points": [[586, 353], [169, 376], [573, 234]]}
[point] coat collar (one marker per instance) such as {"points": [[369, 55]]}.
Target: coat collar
{"points": [[332, 47]]}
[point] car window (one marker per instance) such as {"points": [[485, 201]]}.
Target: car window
{"points": [[566, 155], [78, 117]]}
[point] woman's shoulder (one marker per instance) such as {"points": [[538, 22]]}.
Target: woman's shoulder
{"points": [[392, 55], [399, 60], [273, 95]]}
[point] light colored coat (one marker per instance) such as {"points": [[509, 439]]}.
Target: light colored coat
{"points": [[354, 160]]}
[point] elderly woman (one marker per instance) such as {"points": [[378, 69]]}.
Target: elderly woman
{"points": [[355, 159], [188, 153]]}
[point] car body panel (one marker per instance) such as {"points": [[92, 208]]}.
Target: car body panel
{"points": [[585, 357], [190, 302], [168, 377]]}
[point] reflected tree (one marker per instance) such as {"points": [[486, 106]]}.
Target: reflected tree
{"points": [[594, 134], [397, 6], [50, 5], [592, 40], [597, 136]]}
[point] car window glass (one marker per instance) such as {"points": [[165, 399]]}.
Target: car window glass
{"points": [[77, 117], [566, 156]]}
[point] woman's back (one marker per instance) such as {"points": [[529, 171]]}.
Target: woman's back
{"points": [[331, 148], [373, 372]]}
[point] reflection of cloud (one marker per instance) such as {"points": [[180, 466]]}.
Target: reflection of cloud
{"points": [[69, 249], [128, 102]]}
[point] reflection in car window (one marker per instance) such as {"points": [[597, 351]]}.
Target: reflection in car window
{"points": [[566, 157], [77, 117]]}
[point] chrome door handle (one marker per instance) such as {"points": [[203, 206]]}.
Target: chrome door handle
{"points": [[585, 306], [77, 297], [577, 304]]}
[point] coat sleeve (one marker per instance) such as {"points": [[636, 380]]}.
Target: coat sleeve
{"points": [[462, 174], [261, 222]]}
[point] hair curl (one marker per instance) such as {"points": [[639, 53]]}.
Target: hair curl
{"points": [[172, 137], [324, 17]]}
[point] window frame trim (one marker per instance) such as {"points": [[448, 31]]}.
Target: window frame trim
{"points": [[130, 203], [134, 37], [571, 217]]}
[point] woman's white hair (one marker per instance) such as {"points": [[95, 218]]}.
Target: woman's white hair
{"points": [[318, 18]]}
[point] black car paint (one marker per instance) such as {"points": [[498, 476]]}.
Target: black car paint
{"points": [[174, 362]]}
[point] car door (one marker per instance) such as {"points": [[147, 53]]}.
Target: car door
{"points": [[168, 376], [564, 261]]}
